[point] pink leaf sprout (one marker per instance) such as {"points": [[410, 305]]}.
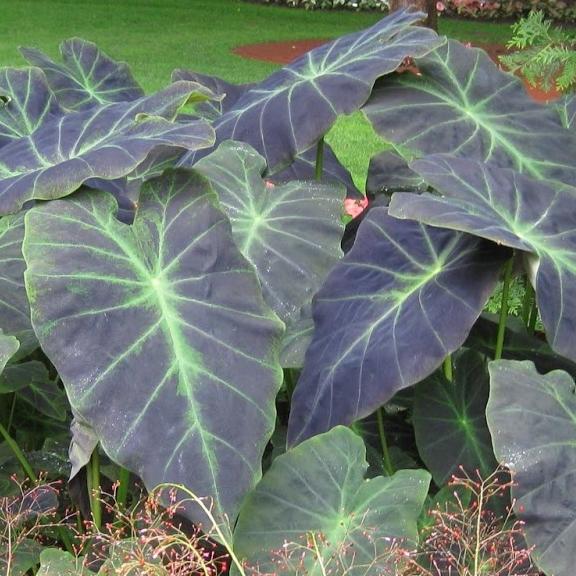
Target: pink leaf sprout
{"points": [[355, 206]]}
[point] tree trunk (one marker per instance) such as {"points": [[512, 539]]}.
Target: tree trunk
{"points": [[426, 6]]}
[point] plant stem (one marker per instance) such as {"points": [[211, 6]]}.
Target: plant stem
{"points": [[28, 470], [388, 466], [11, 417], [319, 159], [503, 310], [123, 482], [13, 445], [215, 527], [479, 516], [93, 481], [66, 540], [447, 366], [533, 317], [290, 384], [528, 302]]}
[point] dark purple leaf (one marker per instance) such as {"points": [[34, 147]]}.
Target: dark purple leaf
{"points": [[127, 190], [294, 107], [226, 93], [389, 172], [532, 419], [87, 77], [463, 105], [530, 215], [398, 303], [107, 142], [450, 419], [160, 334], [26, 103]]}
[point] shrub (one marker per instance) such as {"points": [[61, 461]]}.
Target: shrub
{"points": [[488, 9], [381, 5], [545, 55]]}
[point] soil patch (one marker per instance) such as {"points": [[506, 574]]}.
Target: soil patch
{"points": [[285, 52], [278, 52]]}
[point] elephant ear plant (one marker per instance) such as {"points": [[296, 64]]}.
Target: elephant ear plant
{"points": [[176, 299]]}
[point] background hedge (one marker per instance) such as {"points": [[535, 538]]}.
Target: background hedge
{"points": [[561, 10]]}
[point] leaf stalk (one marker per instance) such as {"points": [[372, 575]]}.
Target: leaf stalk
{"points": [[503, 309], [388, 465], [319, 159], [13, 445]]}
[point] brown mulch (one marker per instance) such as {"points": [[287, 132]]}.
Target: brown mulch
{"points": [[285, 52], [278, 52]]}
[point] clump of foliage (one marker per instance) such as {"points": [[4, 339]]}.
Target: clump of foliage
{"points": [[561, 10], [546, 54], [182, 303], [380, 5]]}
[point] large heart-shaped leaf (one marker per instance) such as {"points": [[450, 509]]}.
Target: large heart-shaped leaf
{"points": [[107, 142], [87, 77], [173, 362], [317, 493], [14, 308], [226, 94], [397, 304], [26, 103], [464, 105], [290, 232], [289, 111], [532, 419], [513, 210], [450, 420]]}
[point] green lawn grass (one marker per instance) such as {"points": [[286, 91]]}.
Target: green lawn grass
{"points": [[156, 36]]}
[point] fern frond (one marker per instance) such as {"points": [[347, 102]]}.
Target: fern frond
{"points": [[546, 56]]}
